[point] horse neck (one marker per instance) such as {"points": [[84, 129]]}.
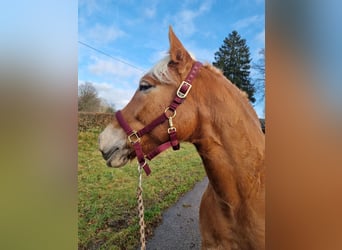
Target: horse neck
{"points": [[230, 142]]}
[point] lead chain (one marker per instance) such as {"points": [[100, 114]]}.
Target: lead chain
{"points": [[141, 210]]}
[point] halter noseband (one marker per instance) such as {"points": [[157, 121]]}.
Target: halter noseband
{"points": [[169, 113]]}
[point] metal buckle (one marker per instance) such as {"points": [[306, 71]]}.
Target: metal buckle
{"points": [[171, 129], [134, 140], [181, 94]]}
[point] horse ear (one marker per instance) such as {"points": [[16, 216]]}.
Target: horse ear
{"points": [[180, 57]]}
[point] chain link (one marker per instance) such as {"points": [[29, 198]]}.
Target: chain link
{"points": [[141, 210]]}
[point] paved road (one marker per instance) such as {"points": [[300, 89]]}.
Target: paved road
{"points": [[180, 229]]}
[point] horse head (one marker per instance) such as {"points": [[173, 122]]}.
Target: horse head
{"points": [[156, 90]]}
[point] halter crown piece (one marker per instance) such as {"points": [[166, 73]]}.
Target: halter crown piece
{"points": [[169, 114]]}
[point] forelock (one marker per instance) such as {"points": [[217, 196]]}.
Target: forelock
{"points": [[161, 72]]}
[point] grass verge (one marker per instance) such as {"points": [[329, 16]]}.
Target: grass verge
{"points": [[107, 206]]}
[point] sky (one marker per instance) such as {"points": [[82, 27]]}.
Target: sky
{"points": [[134, 36]]}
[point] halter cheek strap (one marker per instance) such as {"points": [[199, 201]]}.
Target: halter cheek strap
{"points": [[169, 114]]}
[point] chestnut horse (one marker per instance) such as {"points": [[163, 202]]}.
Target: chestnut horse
{"points": [[219, 120]]}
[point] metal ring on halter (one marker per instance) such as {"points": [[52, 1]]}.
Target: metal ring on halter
{"points": [[173, 113]]}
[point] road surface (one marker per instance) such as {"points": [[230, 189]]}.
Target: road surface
{"points": [[179, 229]]}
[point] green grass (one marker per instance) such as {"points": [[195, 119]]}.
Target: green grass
{"points": [[107, 205]]}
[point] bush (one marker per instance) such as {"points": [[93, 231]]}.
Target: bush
{"points": [[92, 120]]}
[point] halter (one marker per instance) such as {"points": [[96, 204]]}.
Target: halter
{"points": [[169, 114]]}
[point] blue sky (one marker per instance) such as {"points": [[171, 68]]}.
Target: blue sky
{"points": [[136, 32]]}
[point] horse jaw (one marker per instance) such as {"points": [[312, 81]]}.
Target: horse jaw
{"points": [[113, 146]]}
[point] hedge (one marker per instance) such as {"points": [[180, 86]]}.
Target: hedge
{"points": [[91, 120]]}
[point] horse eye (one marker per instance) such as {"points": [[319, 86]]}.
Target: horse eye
{"points": [[144, 87]]}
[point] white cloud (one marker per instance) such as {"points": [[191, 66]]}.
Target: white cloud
{"points": [[201, 54], [114, 68], [104, 34], [260, 37], [121, 80], [113, 94], [205, 6], [119, 97], [89, 7], [252, 20], [259, 42], [149, 12], [184, 20], [157, 55]]}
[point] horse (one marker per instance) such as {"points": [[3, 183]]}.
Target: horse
{"points": [[219, 120]]}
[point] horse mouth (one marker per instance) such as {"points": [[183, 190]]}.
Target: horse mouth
{"points": [[116, 157], [107, 155]]}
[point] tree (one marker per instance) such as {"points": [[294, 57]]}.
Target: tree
{"points": [[106, 107], [260, 67], [233, 58], [87, 98]]}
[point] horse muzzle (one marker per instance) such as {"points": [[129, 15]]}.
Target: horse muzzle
{"points": [[113, 147]]}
